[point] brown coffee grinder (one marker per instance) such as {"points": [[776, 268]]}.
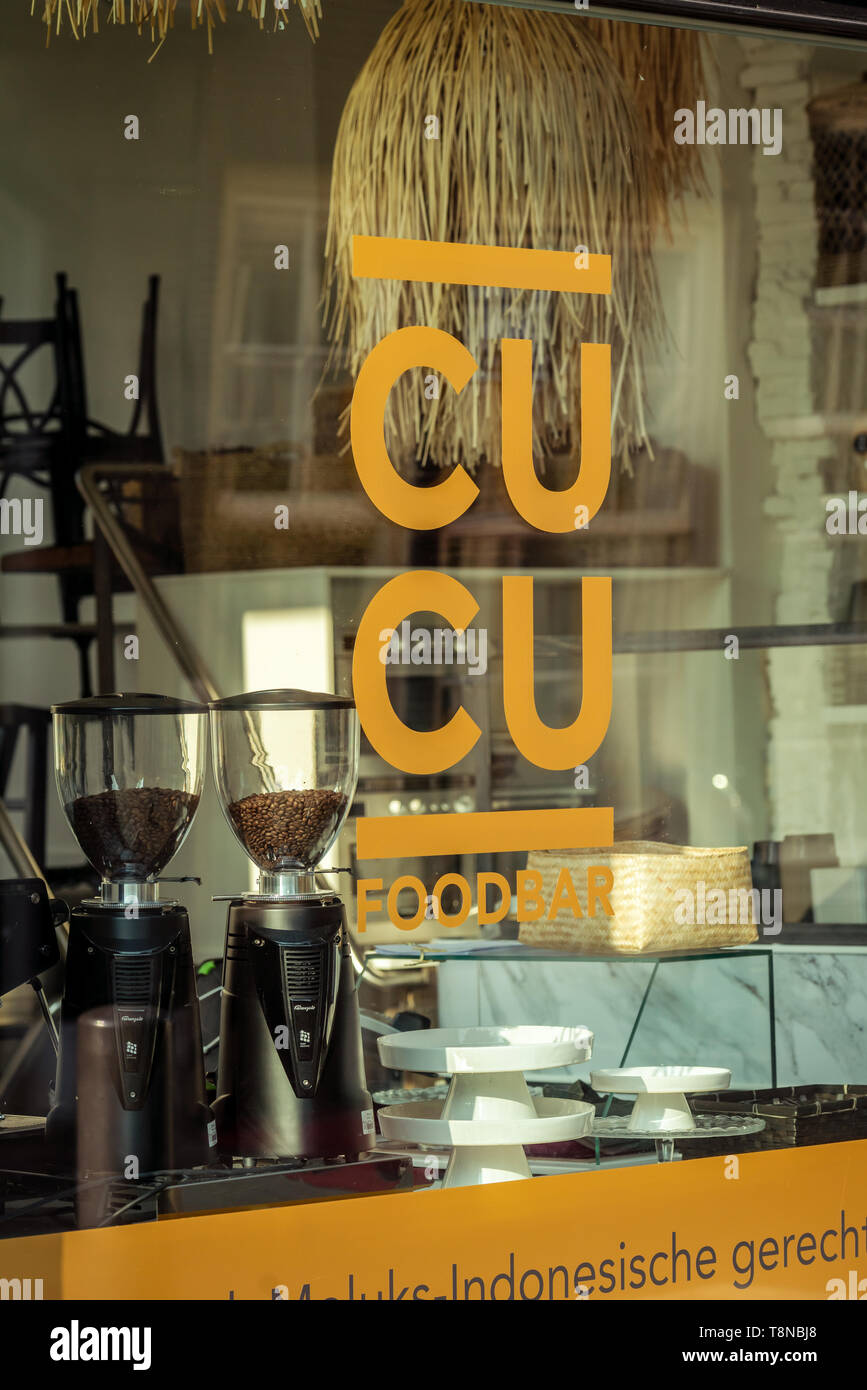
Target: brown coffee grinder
{"points": [[291, 1076]]}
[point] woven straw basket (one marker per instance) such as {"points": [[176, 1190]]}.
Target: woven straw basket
{"points": [[646, 895]]}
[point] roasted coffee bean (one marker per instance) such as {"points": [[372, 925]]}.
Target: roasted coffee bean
{"points": [[288, 829], [131, 834]]}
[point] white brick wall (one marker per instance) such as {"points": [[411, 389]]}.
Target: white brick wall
{"points": [[799, 794]]}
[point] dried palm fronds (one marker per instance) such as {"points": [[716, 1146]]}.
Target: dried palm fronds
{"points": [[664, 70], [159, 15], [539, 145], [79, 13]]}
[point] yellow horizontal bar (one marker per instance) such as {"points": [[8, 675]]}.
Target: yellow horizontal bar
{"points": [[484, 832], [453, 263]]}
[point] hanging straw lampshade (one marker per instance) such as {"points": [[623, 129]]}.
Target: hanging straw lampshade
{"points": [[540, 145], [664, 70], [159, 15]]}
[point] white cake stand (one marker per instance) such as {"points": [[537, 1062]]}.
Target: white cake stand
{"points": [[488, 1113], [661, 1106]]}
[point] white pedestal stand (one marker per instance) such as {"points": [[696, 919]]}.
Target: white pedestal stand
{"points": [[489, 1113], [661, 1111], [661, 1106]]}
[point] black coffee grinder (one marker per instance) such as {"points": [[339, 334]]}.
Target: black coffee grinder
{"points": [[291, 1076], [129, 1096]]}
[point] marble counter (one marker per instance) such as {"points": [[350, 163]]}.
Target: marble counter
{"points": [[707, 1012]]}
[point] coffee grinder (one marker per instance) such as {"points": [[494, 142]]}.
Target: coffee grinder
{"points": [[130, 1077], [291, 1076]]}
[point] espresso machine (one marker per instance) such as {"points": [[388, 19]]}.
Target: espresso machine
{"points": [[290, 1081], [129, 1095]]}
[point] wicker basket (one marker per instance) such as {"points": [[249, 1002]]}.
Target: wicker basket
{"points": [[838, 126], [794, 1116], [647, 899]]}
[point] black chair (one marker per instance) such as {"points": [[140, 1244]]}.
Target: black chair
{"points": [[53, 446], [45, 443]]}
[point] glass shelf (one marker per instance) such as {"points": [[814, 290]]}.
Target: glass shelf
{"points": [[696, 1004], [513, 951]]}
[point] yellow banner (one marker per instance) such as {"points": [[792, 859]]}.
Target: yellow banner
{"points": [[779, 1225]]}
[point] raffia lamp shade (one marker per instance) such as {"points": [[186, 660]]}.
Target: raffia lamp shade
{"points": [[484, 124], [158, 16]]}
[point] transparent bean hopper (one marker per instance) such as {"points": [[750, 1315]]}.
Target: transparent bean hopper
{"points": [[130, 1076], [285, 765], [291, 1077], [129, 772]]}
